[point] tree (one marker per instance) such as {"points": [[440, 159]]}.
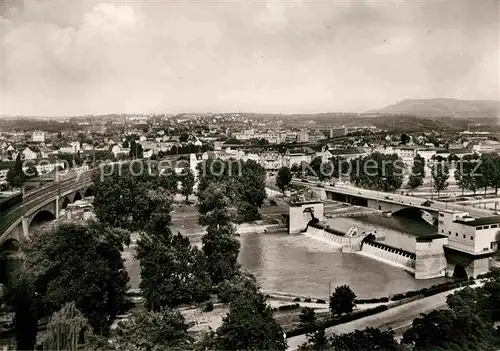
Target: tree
{"points": [[250, 188], [81, 264], [307, 317], [220, 246], [449, 330], [68, 329], [417, 172], [440, 173], [316, 337], [315, 167], [342, 300], [297, 170], [149, 331], [378, 171], [125, 144], [135, 150], [183, 137], [489, 174], [241, 283], [187, 182], [466, 173], [172, 271], [26, 314], [249, 325], [366, 340], [127, 198], [15, 175], [405, 139], [221, 250], [283, 178]]}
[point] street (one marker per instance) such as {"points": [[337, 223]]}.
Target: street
{"points": [[397, 318]]}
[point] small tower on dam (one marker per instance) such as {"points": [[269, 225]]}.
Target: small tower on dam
{"points": [[301, 213]]}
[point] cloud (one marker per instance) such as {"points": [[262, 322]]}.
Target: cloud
{"points": [[300, 56]]}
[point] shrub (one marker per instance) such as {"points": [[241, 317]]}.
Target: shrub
{"points": [[308, 299], [336, 321], [297, 299], [287, 307], [209, 306], [372, 300], [320, 301]]}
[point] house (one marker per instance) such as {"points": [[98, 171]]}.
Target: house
{"points": [[76, 146], [66, 150], [45, 152], [38, 137], [118, 150], [29, 154], [487, 146], [148, 153]]}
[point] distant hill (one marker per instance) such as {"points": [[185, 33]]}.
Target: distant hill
{"points": [[442, 107]]}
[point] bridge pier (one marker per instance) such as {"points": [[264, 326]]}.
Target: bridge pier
{"points": [[57, 207], [25, 226]]}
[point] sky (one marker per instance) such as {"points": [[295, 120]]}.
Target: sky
{"points": [[61, 57]]}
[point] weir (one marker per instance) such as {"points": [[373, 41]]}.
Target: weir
{"points": [[389, 255], [346, 242]]}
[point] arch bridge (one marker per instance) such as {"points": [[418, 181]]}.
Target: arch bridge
{"points": [[43, 204]]}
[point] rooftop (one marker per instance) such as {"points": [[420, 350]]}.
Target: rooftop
{"points": [[480, 221]]}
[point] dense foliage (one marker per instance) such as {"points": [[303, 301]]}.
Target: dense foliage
{"points": [[244, 183], [417, 175], [128, 195], [249, 325], [378, 172], [149, 331], [72, 263]]}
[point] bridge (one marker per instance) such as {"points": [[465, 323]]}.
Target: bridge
{"points": [[43, 204], [385, 201]]}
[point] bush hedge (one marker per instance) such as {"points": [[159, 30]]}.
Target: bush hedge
{"points": [[336, 321], [286, 307], [433, 290], [373, 300], [307, 299], [297, 299], [320, 301]]}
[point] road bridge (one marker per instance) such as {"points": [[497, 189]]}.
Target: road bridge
{"points": [[385, 201]]}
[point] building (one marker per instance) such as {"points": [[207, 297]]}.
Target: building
{"points": [[45, 152], [487, 146], [303, 136], [118, 150], [469, 234], [38, 137], [29, 154]]}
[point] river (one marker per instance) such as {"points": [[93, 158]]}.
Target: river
{"points": [[301, 265]]}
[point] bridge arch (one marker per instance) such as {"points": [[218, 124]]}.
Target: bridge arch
{"points": [[90, 191], [408, 212], [78, 196], [65, 202], [43, 216]]}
